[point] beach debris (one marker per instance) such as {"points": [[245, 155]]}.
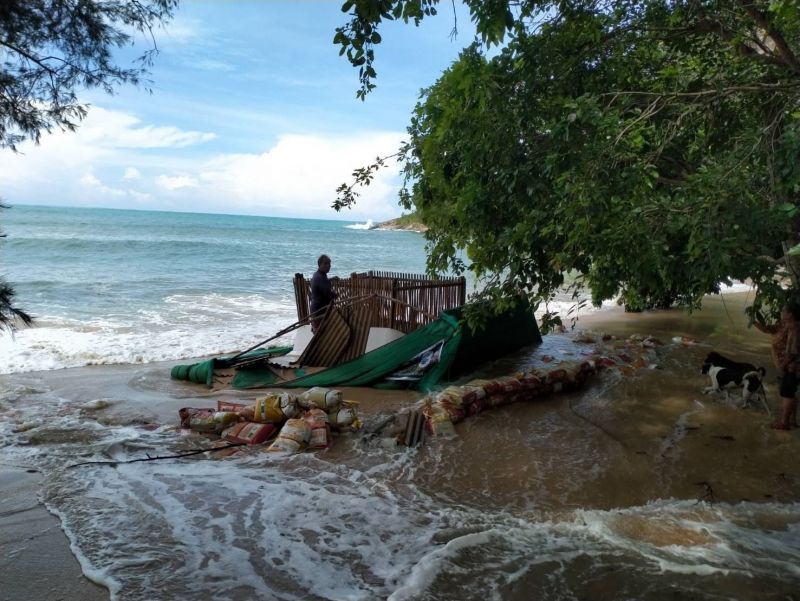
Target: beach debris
{"points": [[28, 425], [180, 455], [278, 417], [96, 405], [708, 493], [592, 337], [686, 340]]}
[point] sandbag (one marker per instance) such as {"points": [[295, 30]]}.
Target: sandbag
{"points": [[476, 406], [320, 398], [321, 437], [230, 406], [345, 416], [452, 403], [531, 383], [461, 395], [293, 437], [272, 409], [437, 420], [503, 385], [250, 433], [206, 420]]}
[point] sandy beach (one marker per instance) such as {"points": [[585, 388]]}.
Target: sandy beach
{"points": [[664, 438]]}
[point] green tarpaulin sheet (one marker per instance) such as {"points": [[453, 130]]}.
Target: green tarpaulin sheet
{"points": [[460, 350], [203, 372]]}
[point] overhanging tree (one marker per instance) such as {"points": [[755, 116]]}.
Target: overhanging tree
{"points": [[52, 49], [649, 149]]}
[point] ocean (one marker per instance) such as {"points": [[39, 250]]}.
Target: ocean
{"points": [[114, 286], [637, 487]]}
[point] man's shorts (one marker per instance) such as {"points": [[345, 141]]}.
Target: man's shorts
{"points": [[789, 384]]}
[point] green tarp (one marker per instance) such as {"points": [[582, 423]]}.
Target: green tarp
{"points": [[203, 372], [461, 350], [373, 367]]}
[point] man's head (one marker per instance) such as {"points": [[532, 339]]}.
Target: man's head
{"points": [[324, 263]]}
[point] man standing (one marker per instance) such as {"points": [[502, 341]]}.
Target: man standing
{"points": [[786, 356], [322, 293]]}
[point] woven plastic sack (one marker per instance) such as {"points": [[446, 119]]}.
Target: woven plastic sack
{"points": [[250, 433], [321, 437], [206, 420], [321, 398], [345, 416], [454, 409], [272, 409], [293, 437], [230, 406]]}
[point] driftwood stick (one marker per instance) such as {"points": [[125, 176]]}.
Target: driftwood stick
{"points": [[157, 457]]}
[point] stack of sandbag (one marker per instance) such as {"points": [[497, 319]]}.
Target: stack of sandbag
{"points": [[342, 414], [262, 419], [296, 423], [245, 432], [455, 403], [323, 410]]}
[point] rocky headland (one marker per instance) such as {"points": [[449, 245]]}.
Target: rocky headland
{"points": [[405, 223]]}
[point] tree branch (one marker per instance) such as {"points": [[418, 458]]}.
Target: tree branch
{"points": [[761, 19]]}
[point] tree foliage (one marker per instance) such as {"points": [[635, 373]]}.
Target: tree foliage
{"points": [[9, 314], [50, 49], [647, 148]]}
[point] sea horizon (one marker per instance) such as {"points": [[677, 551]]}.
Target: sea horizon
{"points": [[110, 285]]}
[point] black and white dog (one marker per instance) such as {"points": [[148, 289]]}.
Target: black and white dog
{"points": [[727, 374]]}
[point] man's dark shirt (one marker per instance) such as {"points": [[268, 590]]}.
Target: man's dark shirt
{"points": [[321, 291]]}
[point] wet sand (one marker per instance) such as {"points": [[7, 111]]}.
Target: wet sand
{"points": [[665, 438], [35, 558]]}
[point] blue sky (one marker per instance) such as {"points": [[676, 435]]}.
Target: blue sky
{"points": [[253, 111]]}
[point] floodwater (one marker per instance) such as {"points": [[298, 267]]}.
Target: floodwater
{"points": [[638, 486]]}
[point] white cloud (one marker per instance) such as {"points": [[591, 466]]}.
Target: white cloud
{"points": [[295, 176], [300, 174], [114, 129], [140, 197], [175, 182], [108, 130], [182, 30], [95, 188], [208, 64], [91, 182]]}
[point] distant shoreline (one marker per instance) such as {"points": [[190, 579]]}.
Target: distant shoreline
{"points": [[401, 223]]}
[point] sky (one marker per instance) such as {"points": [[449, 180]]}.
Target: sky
{"points": [[252, 111]]}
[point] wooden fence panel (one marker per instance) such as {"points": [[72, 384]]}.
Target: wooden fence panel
{"points": [[419, 296]]}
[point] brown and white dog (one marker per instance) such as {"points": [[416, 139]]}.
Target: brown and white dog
{"points": [[727, 374]]}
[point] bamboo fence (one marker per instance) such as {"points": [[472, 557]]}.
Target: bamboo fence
{"points": [[402, 301]]}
